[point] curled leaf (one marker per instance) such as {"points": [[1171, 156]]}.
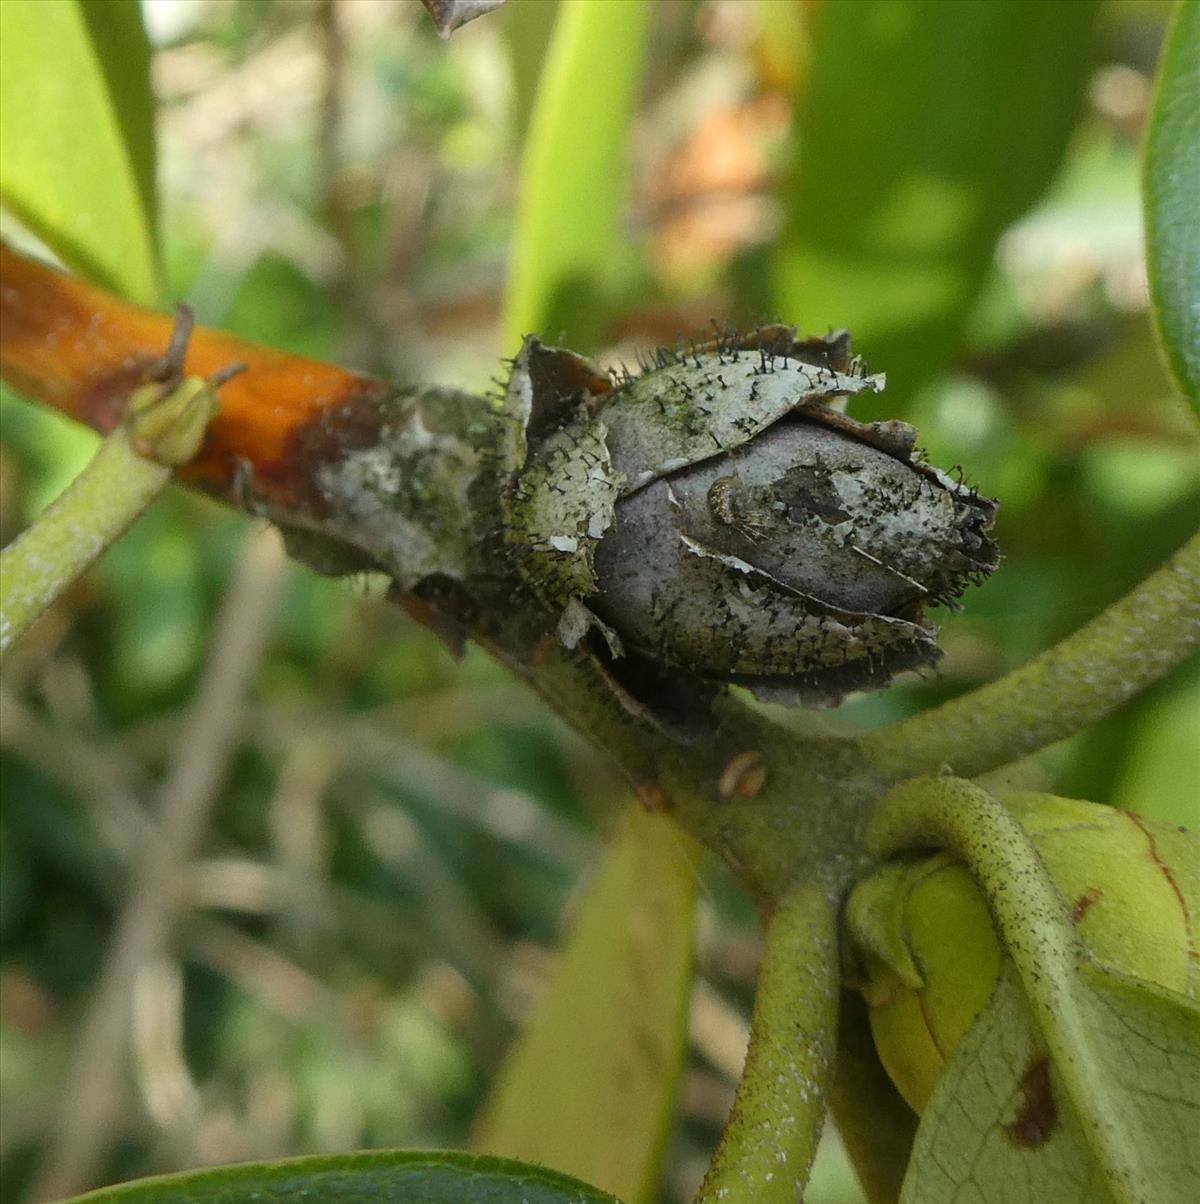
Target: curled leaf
{"points": [[1079, 1079], [932, 956]]}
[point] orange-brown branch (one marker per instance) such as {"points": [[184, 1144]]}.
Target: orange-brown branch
{"points": [[81, 350]]}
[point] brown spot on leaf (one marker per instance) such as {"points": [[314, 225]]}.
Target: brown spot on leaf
{"points": [[1038, 1116], [1086, 902]]}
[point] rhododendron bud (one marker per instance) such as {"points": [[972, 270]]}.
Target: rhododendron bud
{"points": [[717, 518]]}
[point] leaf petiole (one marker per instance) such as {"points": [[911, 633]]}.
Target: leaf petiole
{"points": [[768, 1146]]}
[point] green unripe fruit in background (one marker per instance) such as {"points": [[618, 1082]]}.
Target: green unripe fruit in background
{"points": [[929, 957]]}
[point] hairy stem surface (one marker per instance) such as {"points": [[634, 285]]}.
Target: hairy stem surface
{"points": [[112, 490], [769, 1144]]}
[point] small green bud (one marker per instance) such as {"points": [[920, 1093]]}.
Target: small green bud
{"points": [[167, 417], [168, 423], [929, 955]]}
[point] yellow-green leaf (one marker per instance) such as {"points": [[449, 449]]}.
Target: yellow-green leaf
{"points": [[1159, 776], [590, 1088], [77, 136], [1172, 210], [1001, 1128], [574, 175]]}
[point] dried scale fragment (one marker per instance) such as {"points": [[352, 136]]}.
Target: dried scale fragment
{"points": [[719, 519]]}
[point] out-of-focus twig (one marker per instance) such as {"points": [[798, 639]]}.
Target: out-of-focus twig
{"points": [[235, 884], [93, 1088], [359, 318], [102, 780], [454, 920], [333, 46], [165, 1082], [258, 969], [298, 840], [239, 884], [445, 714], [718, 1030], [508, 815]]}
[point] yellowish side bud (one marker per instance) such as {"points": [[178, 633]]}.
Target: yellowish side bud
{"points": [[929, 956], [169, 426]]}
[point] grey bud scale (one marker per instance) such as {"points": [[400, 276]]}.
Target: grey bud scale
{"points": [[718, 519]]}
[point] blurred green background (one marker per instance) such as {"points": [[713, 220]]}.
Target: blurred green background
{"points": [[379, 897]]}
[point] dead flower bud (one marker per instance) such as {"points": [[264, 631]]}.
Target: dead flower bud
{"points": [[718, 519]]}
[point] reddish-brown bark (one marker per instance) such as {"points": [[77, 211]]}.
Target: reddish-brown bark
{"points": [[81, 350]]}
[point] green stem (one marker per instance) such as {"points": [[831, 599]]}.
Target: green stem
{"points": [[1036, 930], [1092, 672], [800, 806], [97, 507], [165, 422], [769, 1144]]}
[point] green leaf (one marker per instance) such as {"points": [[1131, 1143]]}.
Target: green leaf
{"points": [[1172, 186], [77, 136], [574, 174], [527, 29], [930, 126], [1001, 1128], [1160, 770], [370, 1178], [591, 1087]]}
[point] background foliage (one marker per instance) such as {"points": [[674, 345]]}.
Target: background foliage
{"points": [[377, 902]]}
